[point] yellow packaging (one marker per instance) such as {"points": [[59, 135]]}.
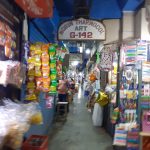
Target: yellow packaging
{"points": [[31, 72], [30, 85], [32, 47], [31, 60], [53, 88], [38, 71], [53, 76], [38, 50], [31, 97], [45, 48], [37, 118], [52, 65]]}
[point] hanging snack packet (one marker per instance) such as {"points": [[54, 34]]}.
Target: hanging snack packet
{"points": [[52, 51], [31, 91], [8, 50], [53, 74], [37, 60], [45, 71], [31, 97], [45, 48], [54, 82], [38, 72], [39, 83], [31, 72], [32, 50], [32, 47], [31, 60], [53, 64], [31, 85], [46, 84], [45, 59], [38, 50], [30, 79], [53, 88], [31, 64], [63, 52]]}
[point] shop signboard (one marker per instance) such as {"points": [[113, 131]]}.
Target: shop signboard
{"points": [[81, 29], [37, 8]]}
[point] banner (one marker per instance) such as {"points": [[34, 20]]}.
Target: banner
{"points": [[37, 8]]}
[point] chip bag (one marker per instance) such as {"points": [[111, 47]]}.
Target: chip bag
{"points": [[45, 71], [52, 51], [45, 48], [53, 64], [45, 59]]}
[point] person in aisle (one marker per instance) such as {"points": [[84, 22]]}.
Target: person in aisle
{"points": [[72, 87], [62, 89]]}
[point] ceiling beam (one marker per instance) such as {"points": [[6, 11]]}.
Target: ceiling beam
{"points": [[39, 30]]}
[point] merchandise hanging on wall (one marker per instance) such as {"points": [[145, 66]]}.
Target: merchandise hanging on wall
{"points": [[134, 93], [44, 68], [106, 60]]}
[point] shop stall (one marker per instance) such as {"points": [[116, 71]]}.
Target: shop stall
{"points": [[12, 75], [133, 102]]}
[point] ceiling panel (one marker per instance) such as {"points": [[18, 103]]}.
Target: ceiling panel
{"points": [[65, 8], [132, 5], [102, 9]]}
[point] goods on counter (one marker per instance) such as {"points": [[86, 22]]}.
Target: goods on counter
{"points": [[127, 135], [16, 119], [120, 137]]}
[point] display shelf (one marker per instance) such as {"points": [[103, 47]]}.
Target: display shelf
{"points": [[119, 147], [144, 136], [144, 133]]}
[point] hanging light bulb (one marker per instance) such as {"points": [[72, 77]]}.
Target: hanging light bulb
{"points": [[87, 51]]}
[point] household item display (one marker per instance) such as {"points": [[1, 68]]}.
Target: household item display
{"points": [[134, 92]]}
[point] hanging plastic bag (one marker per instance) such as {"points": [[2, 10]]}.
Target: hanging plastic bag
{"points": [[97, 116], [102, 99]]}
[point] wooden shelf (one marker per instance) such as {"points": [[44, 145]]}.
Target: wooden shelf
{"points": [[144, 133]]}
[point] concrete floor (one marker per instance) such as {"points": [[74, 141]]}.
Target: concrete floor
{"points": [[77, 132]]}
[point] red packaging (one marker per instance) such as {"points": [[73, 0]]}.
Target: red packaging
{"points": [[36, 142]]}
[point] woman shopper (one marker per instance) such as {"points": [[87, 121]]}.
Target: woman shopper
{"points": [[62, 91]]}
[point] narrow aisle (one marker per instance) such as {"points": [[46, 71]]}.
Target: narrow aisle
{"points": [[78, 133]]}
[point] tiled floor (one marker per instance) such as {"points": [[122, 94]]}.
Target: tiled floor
{"points": [[77, 132]]}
